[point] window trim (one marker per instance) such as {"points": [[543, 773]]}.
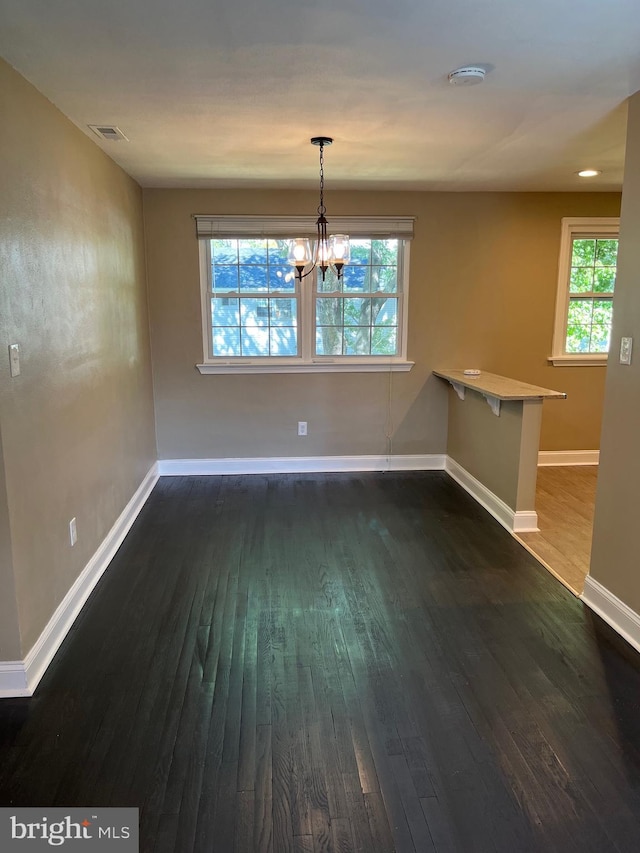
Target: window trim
{"points": [[572, 227], [210, 227]]}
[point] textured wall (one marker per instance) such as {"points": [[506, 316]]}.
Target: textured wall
{"points": [[9, 628], [615, 558], [77, 424], [482, 293]]}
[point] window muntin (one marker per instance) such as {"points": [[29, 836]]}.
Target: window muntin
{"points": [[258, 311]]}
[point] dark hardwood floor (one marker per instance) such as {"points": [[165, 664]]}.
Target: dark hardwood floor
{"points": [[306, 663]]}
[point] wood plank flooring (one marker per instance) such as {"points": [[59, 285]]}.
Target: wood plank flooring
{"points": [[565, 502], [334, 664]]}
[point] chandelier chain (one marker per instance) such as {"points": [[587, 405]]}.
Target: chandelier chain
{"points": [[321, 208]]}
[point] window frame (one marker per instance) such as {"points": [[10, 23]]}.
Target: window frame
{"points": [[576, 227], [237, 227]]}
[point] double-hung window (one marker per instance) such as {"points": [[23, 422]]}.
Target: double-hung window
{"points": [[257, 317], [586, 284]]}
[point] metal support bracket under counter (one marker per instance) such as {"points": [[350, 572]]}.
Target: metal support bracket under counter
{"points": [[496, 458]]}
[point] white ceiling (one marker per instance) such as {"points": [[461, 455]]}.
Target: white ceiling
{"points": [[215, 94]]}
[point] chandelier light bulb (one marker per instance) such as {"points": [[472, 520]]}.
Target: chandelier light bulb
{"points": [[300, 253], [339, 248]]}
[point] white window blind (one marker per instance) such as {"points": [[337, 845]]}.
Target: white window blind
{"points": [[211, 227]]}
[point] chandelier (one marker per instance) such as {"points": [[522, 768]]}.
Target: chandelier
{"points": [[329, 252]]}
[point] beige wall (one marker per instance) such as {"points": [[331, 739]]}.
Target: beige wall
{"points": [[77, 424], [499, 451], [615, 560], [483, 285], [9, 629]]}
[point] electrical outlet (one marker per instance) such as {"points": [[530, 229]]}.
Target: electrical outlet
{"points": [[73, 532], [302, 427], [626, 345]]}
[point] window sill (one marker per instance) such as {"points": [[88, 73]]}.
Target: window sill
{"points": [[591, 360], [244, 367]]}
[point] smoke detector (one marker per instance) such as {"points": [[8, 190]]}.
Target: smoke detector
{"points": [[469, 75], [108, 132]]}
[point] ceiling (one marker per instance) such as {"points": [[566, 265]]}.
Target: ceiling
{"points": [[227, 94]]}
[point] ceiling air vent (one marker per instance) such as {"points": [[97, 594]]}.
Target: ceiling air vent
{"points": [[108, 132]]}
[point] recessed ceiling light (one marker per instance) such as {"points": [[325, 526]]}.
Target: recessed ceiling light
{"points": [[589, 173], [468, 75]]}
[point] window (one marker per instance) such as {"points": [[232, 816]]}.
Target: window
{"points": [[253, 300], [586, 283], [258, 318], [359, 315]]}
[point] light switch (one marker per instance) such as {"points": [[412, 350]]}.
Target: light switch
{"points": [[14, 359], [626, 345]]}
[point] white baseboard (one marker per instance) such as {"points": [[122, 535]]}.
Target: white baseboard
{"points": [[568, 457], [300, 464], [514, 522], [20, 678], [615, 612], [13, 679]]}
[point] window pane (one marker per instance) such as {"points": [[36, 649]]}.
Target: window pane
{"points": [[225, 277], [360, 252], [384, 252], [606, 253], [600, 338], [328, 340], [357, 340], [283, 312], [584, 253], [252, 251], [282, 278], [604, 280], [253, 278], [580, 311], [284, 341], [357, 312], [360, 281], [255, 341], [226, 341], [225, 312], [385, 279], [384, 312], [331, 284], [581, 280], [329, 311], [224, 251], [603, 311], [356, 278], [254, 312], [578, 338], [279, 252], [383, 341]]}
